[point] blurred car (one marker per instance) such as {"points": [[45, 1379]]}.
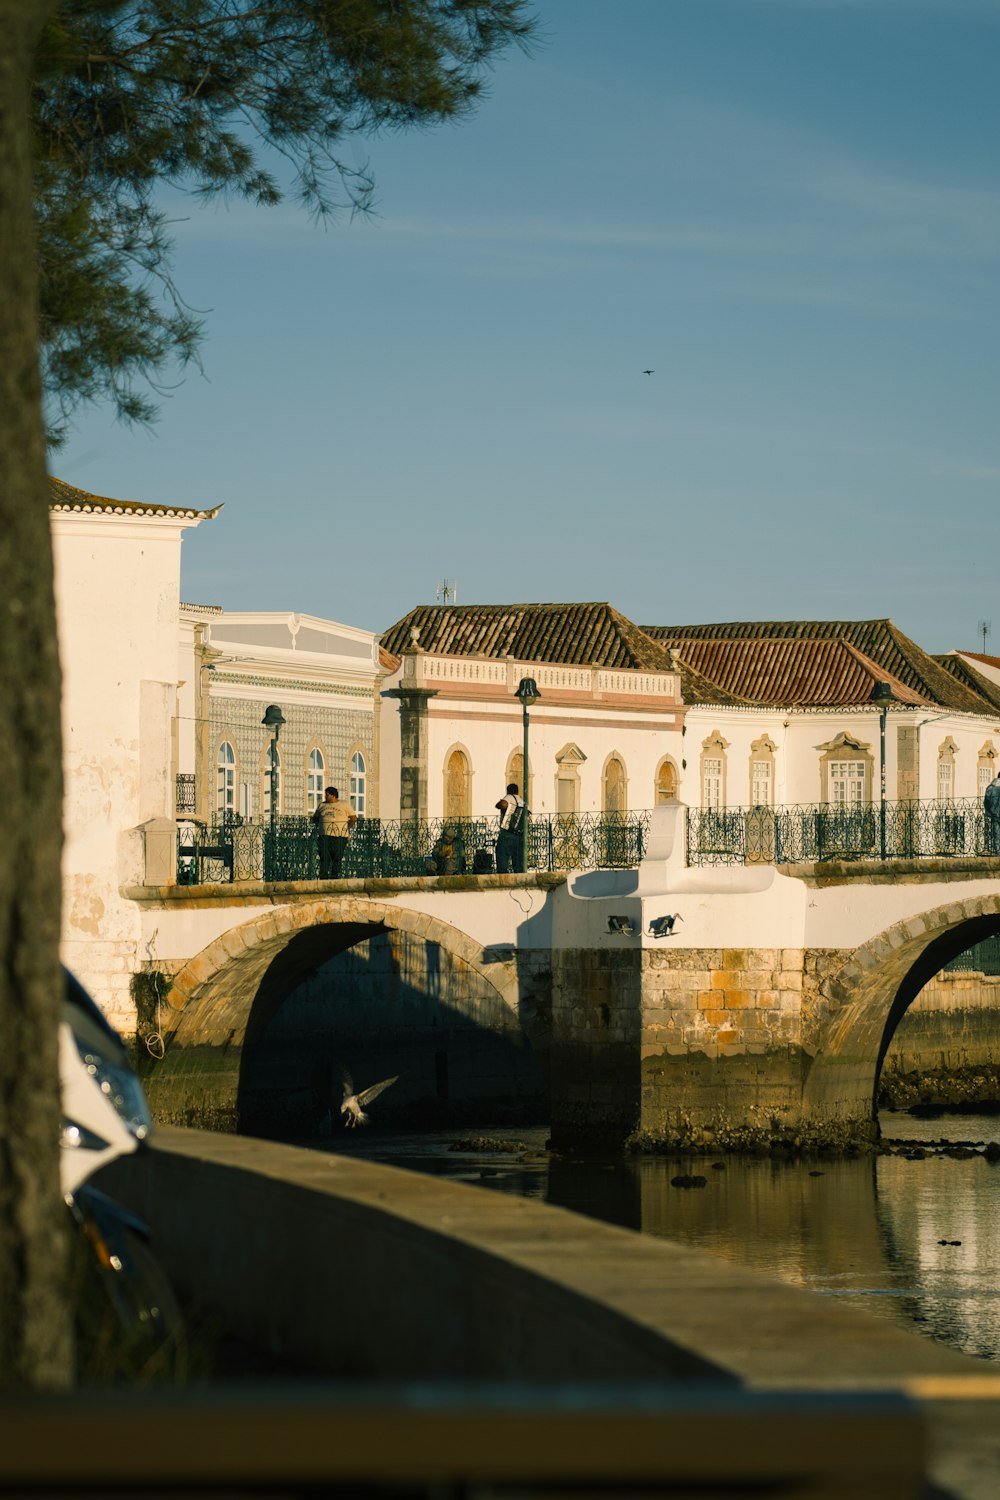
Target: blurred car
{"points": [[133, 1326]]}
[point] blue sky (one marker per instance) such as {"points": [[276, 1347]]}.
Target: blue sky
{"points": [[789, 209]]}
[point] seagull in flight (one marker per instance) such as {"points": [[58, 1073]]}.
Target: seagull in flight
{"points": [[649, 372], [353, 1105]]}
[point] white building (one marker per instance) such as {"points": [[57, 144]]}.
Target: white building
{"points": [[117, 581], [162, 710], [799, 713]]}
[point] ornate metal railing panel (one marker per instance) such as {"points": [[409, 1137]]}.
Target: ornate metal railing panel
{"points": [[819, 831], [184, 794], [237, 850]]}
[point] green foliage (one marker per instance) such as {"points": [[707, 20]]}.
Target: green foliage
{"points": [[198, 95]]}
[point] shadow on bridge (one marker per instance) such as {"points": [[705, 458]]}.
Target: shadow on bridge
{"points": [[271, 1013]]}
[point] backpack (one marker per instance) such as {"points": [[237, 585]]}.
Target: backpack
{"points": [[516, 820]]}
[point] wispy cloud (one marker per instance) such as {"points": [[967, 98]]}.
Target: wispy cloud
{"points": [[973, 473]]}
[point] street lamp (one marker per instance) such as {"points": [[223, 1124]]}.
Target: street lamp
{"points": [[273, 719], [882, 696], [527, 692]]}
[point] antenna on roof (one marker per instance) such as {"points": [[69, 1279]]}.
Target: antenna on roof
{"points": [[446, 591], [984, 627]]}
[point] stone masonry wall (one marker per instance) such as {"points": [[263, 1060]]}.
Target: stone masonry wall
{"points": [[953, 1023], [721, 1040]]}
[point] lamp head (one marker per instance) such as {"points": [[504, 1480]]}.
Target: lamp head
{"points": [[883, 695], [527, 692], [273, 717]]}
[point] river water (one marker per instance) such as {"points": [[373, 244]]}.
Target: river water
{"points": [[912, 1240]]}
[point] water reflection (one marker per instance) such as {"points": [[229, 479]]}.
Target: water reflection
{"points": [[869, 1231]]}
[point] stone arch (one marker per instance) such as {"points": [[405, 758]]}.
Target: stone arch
{"points": [[859, 1004], [228, 993]]}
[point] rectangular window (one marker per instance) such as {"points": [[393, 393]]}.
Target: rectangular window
{"points": [[760, 783], [985, 777], [711, 775], [847, 783], [945, 780]]}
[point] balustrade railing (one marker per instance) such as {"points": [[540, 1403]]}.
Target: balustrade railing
{"points": [[813, 832], [233, 849]]}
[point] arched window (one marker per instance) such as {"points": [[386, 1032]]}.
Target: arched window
{"points": [[225, 779], [666, 783], [265, 784], [457, 786], [615, 790], [515, 774], [315, 779], [358, 784]]}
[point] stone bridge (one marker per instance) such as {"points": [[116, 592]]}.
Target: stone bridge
{"points": [[766, 1004]]}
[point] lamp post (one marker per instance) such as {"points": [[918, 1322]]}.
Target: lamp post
{"points": [[882, 696], [273, 719], [527, 692]]}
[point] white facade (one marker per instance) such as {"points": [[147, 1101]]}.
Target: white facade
{"points": [[117, 580], [798, 754], [703, 754], [597, 739]]}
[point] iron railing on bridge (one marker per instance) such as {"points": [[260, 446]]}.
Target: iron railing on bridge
{"points": [[812, 832], [234, 849]]}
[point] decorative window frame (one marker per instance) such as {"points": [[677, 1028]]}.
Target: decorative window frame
{"points": [[463, 750], [946, 753], [615, 758], [714, 747], [357, 749], [666, 764], [314, 748], [846, 746], [986, 766], [229, 803], [762, 752], [513, 773], [568, 762]]}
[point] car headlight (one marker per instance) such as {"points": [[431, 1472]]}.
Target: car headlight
{"points": [[122, 1090]]}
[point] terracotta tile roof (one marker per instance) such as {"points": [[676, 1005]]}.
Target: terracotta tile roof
{"points": [[988, 661], [66, 497], [571, 634], [959, 668], [387, 661], [756, 659]]}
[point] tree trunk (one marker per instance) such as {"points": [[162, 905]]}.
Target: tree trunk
{"points": [[35, 1320]]}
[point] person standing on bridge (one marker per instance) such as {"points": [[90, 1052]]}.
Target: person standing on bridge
{"points": [[335, 821], [510, 839], [991, 806]]}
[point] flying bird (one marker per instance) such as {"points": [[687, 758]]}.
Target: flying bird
{"points": [[353, 1105], [649, 372]]}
